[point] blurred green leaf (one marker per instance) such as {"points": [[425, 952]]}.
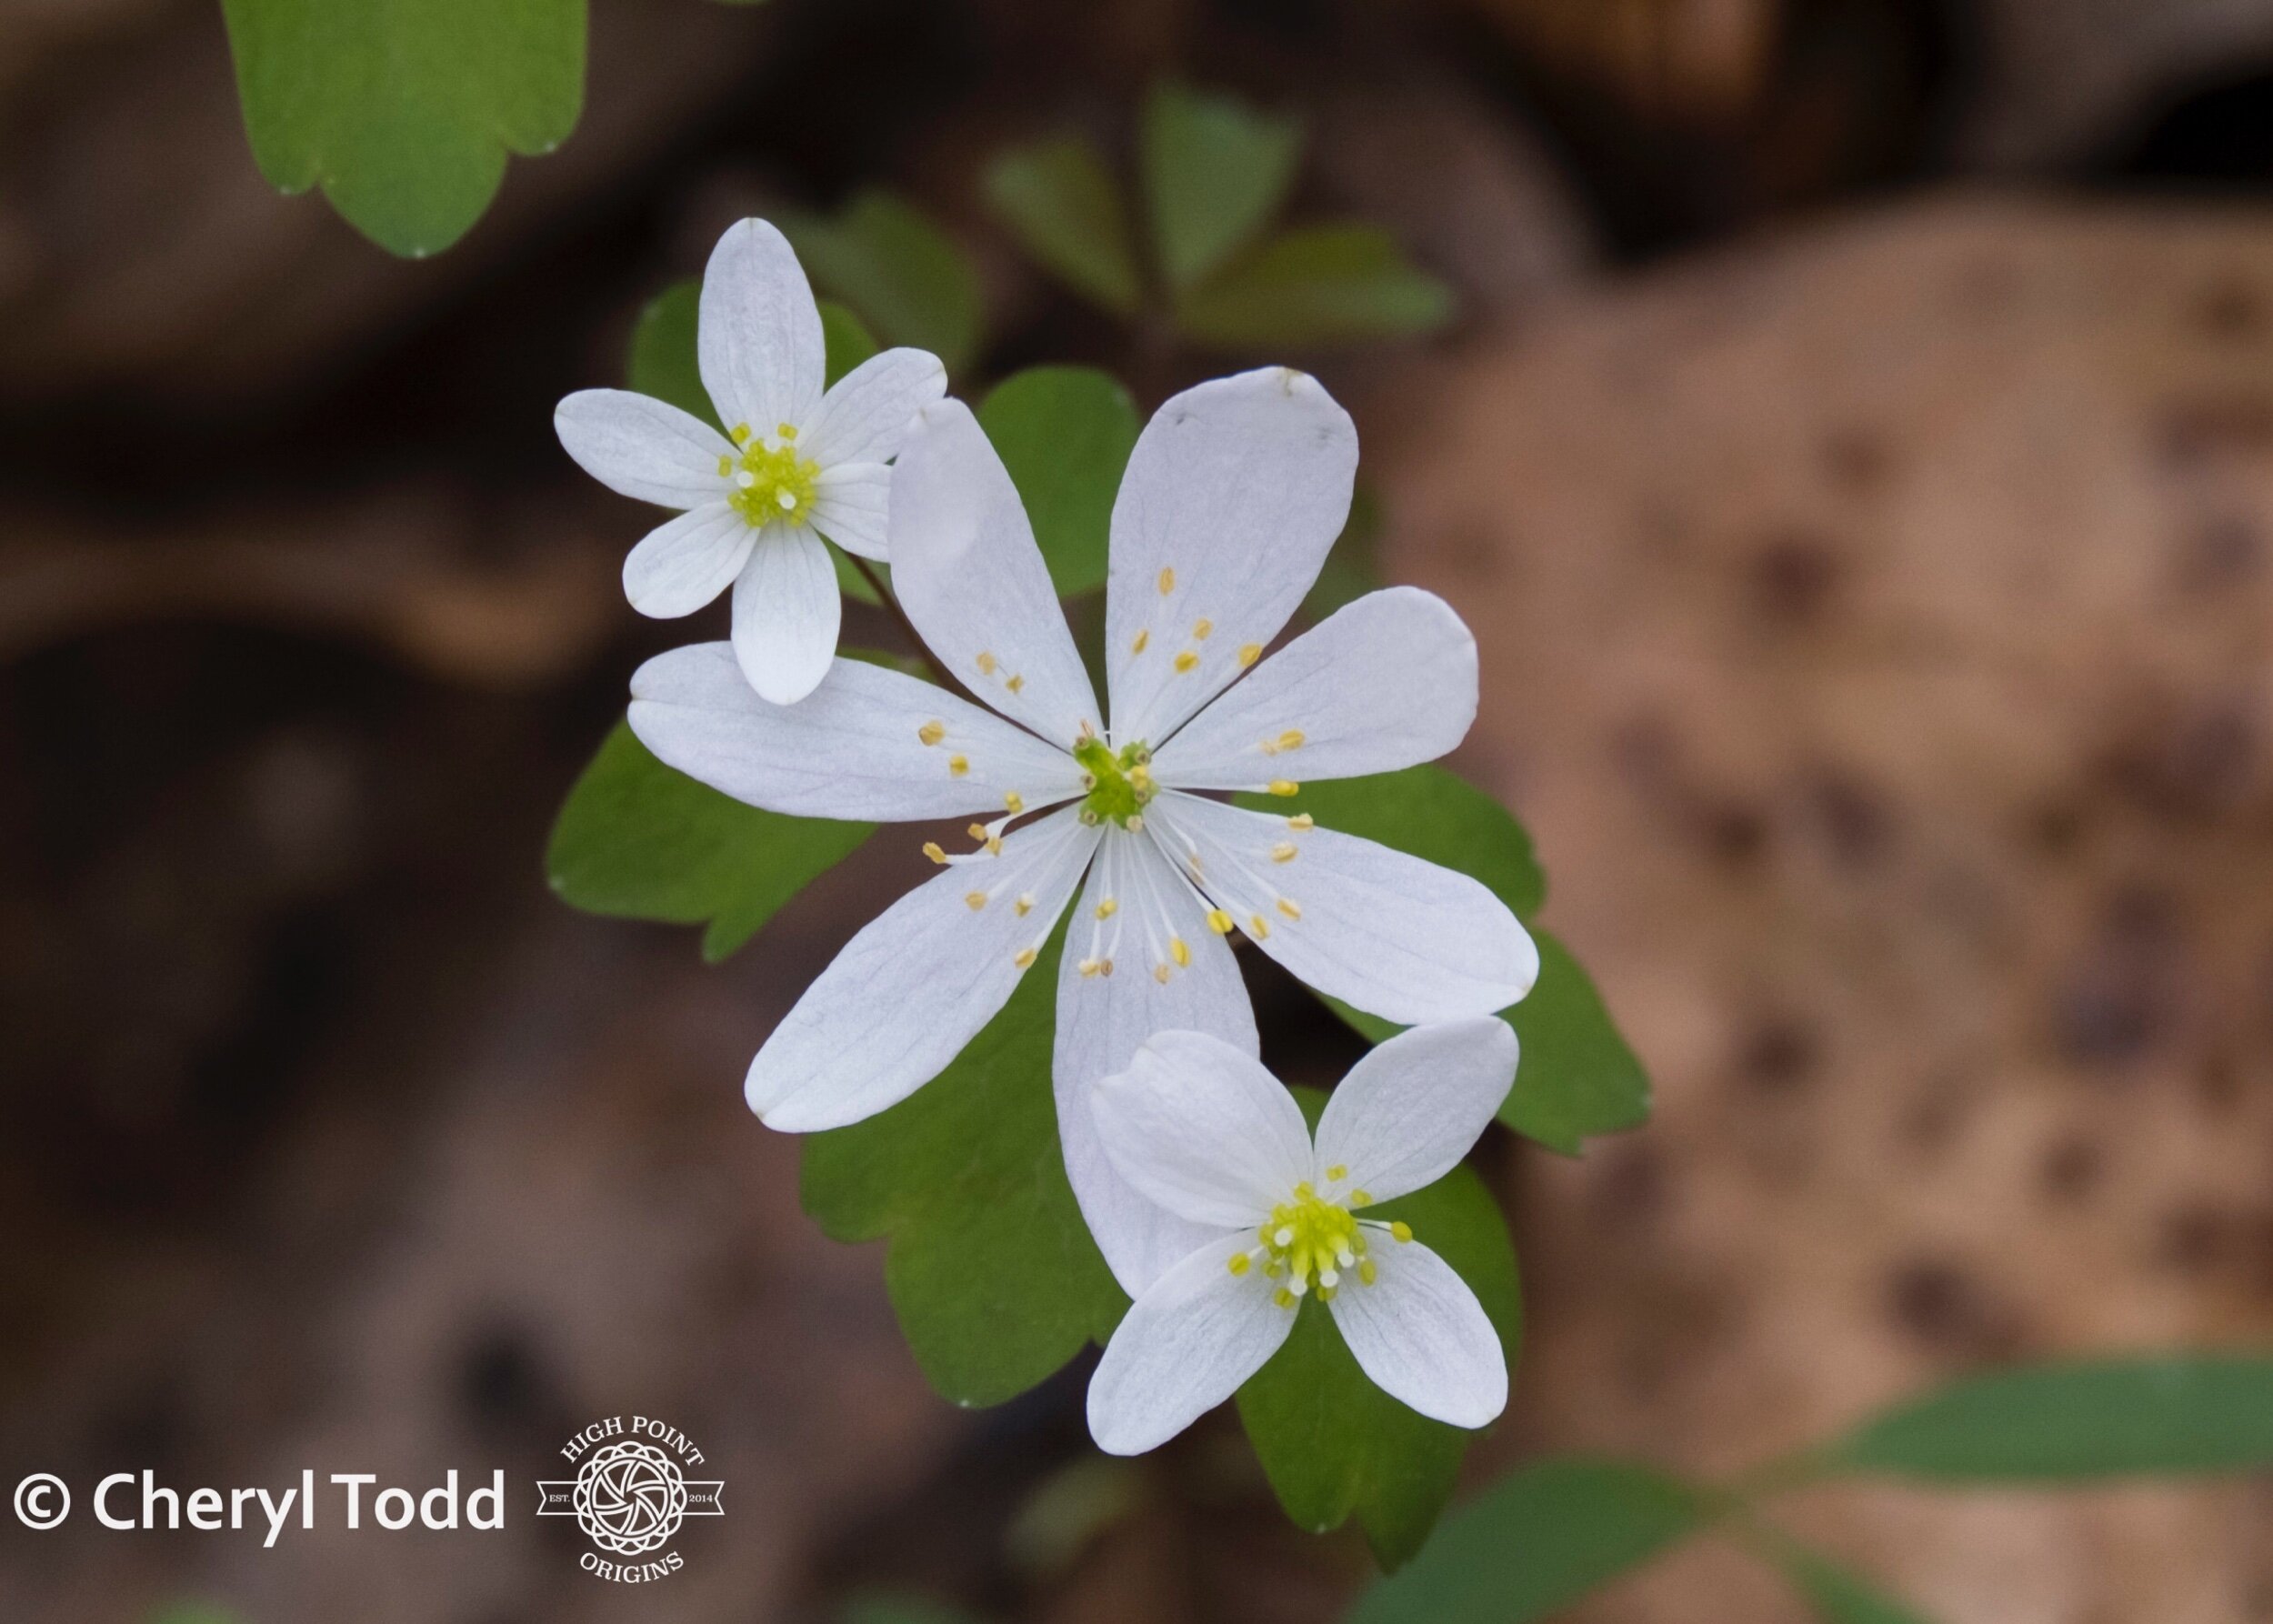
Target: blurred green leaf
{"points": [[1837, 1595], [1214, 172], [901, 274], [639, 840], [1062, 203], [847, 340], [894, 1606], [1332, 1443], [404, 112], [990, 1268], [2180, 1415], [1350, 569], [663, 362], [1065, 433], [1318, 285], [1535, 1542], [1578, 1078]]}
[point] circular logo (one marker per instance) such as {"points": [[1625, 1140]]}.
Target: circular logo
{"points": [[630, 1498], [42, 1502]]}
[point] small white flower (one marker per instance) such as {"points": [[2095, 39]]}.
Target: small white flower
{"points": [[1199, 1128], [1233, 495], [802, 464]]}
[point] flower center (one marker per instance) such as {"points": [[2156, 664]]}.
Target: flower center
{"points": [[770, 480], [1311, 1238], [1119, 786]]}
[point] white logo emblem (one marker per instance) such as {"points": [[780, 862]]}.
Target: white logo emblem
{"points": [[630, 1496]]}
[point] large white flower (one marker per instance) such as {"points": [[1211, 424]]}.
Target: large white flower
{"points": [[1233, 495], [803, 463], [1199, 1128]]}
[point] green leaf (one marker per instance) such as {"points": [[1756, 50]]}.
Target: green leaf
{"points": [[1061, 203], [663, 362], [1537, 1542], [1065, 433], [404, 112], [848, 341], [1578, 1078], [2178, 1416], [639, 840], [990, 1268], [1331, 1442], [1318, 285], [1351, 570], [901, 274], [1214, 172], [1837, 1595]]}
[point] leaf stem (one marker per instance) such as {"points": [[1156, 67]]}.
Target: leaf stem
{"points": [[907, 627]]}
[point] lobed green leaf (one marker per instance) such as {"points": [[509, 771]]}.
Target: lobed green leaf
{"points": [[1837, 1595], [1061, 203], [898, 271], [1316, 285], [1214, 172], [639, 840], [1065, 433], [403, 112]]}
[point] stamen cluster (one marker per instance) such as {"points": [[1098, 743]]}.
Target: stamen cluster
{"points": [[771, 481]]}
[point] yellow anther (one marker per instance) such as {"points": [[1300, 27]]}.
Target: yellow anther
{"points": [[1249, 653], [977, 899], [994, 845], [1291, 739], [726, 466], [1168, 582], [1201, 628], [1218, 921], [1258, 927], [1288, 907], [986, 665], [977, 832], [1284, 1298], [741, 433], [1240, 1263], [787, 431], [1089, 966], [958, 764], [1014, 683], [1284, 852], [1359, 1198], [1284, 787], [1326, 1294], [1186, 660], [1023, 958], [1025, 903], [1301, 820], [1401, 1231], [1181, 953], [1107, 909], [931, 850], [931, 733], [1368, 1271], [1106, 968], [1137, 645], [1014, 800], [1337, 1172], [1160, 974], [1136, 825]]}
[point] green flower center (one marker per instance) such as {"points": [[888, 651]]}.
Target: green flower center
{"points": [[770, 480], [1310, 1240], [1118, 786]]}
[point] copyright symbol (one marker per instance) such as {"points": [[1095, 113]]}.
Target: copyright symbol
{"points": [[41, 1500]]}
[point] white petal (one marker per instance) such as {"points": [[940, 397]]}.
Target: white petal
{"points": [[912, 988], [969, 575], [1182, 1349], [786, 609], [1422, 1336], [1397, 937], [1387, 682], [643, 447], [1102, 1019], [850, 501], [854, 749], [1203, 1130], [1409, 1111], [759, 333], [872, 407], [679, 566], [1233, 497]]}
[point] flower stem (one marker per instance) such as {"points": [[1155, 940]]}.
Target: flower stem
{"points": [[907, 627]]}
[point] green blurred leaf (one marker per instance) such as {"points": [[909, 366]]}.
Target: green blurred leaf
{"points": [[1332, 1443], [1318, 285], [1062, 203], [894, 1606], [1578, 1078], [1535, 1542], [639, 840], [1350, 569], [2176, 1416], [848, 341], [901, 274], [404, 112], [990, 1268], [1214, 172], [1065, 433], [663, 362], [1837, 1595]]}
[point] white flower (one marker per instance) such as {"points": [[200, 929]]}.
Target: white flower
{"points": [[802, 464], [1200, 1128], [1233, 495]]}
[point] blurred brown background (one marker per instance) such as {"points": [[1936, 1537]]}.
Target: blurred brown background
{"points": [[1855, 459]]}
